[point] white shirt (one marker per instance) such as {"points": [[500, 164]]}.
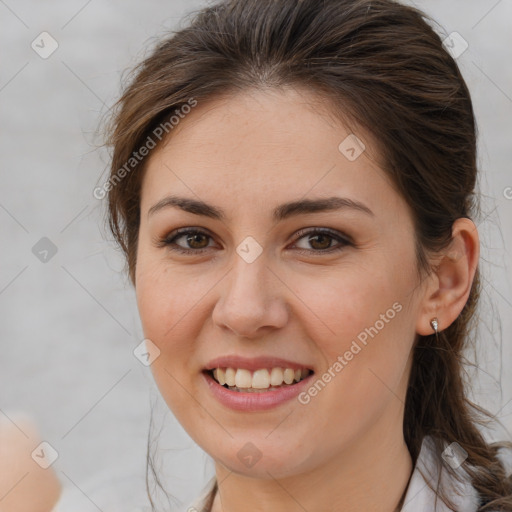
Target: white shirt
{"points": [[419, 496], [123, 494]]}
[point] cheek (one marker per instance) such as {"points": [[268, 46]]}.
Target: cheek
{"points": [[168, 308], [165, 295], [365, 329], [354, 302], [167, 303]]}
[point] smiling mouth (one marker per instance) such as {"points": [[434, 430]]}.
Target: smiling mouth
{"points": [[259, 381]]}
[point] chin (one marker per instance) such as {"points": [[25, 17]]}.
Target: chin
{"points": [[260, 458]]}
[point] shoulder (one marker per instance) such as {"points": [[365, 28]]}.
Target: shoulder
{"points": [[204, 501], [505, 456], [430, 476]]}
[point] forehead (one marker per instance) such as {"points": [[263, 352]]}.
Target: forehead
{"points": [[257, 146]]}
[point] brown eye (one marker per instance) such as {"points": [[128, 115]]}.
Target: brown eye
{"points": [[321, 240], [195, 241]]}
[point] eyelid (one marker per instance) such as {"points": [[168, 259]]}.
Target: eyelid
{"points": [[168, 240], [342, 239], [325, 231]]}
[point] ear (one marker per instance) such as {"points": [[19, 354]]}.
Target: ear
{"points": [[450, 284]]}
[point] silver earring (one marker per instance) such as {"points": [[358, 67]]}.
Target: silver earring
{"points": [[435, 324]]}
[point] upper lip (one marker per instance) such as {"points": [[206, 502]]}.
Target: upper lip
{"points": [[253, 363]]}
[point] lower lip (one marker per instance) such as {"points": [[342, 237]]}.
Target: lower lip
{"points": [[254, 401]]}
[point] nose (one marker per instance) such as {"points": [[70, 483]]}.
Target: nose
{"points": [[251, 300]]}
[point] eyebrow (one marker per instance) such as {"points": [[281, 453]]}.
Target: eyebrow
{"points": [[282, 212]]}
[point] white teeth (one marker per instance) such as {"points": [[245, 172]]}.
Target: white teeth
{"points": [[243, 378], [230, 376], [276, 377], [221, 376], [260, 379], [289, 376]]}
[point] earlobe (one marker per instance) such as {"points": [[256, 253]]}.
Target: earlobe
{"points": [[454, 270]]}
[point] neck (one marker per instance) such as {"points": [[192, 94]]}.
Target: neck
{"points": [[372, 475]]}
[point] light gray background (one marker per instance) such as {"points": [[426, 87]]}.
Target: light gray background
{"points": [[69, 326]]}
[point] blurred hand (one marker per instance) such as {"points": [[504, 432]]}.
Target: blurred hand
{"points": [[24, 485]]}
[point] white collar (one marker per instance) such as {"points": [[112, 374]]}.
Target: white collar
{"points": [[419, 496]]}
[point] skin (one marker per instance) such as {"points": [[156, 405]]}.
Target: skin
{"points": [[24, 485], [247, 154]]}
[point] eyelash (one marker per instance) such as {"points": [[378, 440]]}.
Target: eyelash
{"points": [[170, 240]]}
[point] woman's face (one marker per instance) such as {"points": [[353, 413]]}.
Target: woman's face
{"points": [[277, 282]]}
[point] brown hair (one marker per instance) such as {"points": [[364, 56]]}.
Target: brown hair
{"points": [[385, 68]]}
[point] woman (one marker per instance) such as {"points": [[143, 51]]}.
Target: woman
{"points": [[292, 183]]}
